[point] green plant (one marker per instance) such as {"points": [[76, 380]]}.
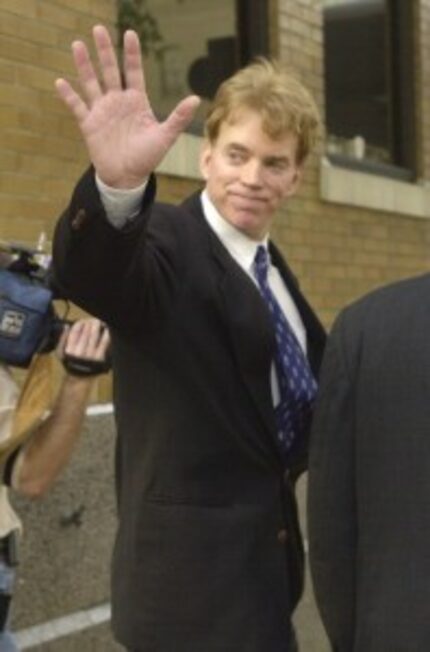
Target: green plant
{"points": [[134, 14]]}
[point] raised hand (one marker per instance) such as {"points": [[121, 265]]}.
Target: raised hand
{"points": [[124, 139]]}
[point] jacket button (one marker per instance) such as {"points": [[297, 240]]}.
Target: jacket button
{"points": [[79, 219], [282, 536]]}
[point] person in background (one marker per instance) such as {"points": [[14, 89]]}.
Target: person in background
{"points": [[32, 467], [215, 351], [369, 474]]}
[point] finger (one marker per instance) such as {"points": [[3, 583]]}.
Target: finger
{"points": [[71, 99], [133, 68], [62, 341], [86, 73], [180, 117], [75, 343], [97, 339], [89, 338], [106, 55], [102, 345]]}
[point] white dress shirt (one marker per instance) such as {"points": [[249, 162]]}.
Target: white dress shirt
{"points": [[243, 250]]}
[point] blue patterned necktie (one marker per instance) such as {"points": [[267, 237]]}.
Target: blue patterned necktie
{"points": [[297, 386]]}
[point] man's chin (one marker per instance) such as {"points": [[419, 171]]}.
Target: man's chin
{"points": [[248, 223]]}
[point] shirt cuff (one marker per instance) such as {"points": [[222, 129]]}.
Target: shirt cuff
{"points": [[120, 205]]}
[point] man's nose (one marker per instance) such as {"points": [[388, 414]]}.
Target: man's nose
{"points": [[252, 173]]}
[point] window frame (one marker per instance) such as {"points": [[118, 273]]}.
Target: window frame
{"points": [[401, 88]]}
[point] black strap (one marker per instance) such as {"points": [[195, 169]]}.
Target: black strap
{"points": [[86, 367], [8, 467]]}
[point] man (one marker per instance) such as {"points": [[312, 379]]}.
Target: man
{"points": [[207, 421], [32, 467], [369, 475]]}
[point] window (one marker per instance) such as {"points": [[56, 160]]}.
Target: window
{"points": [[369, 84], [190, 46]]}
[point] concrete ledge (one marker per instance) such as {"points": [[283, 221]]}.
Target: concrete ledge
{"points": [[342, 186], [182, 160]]}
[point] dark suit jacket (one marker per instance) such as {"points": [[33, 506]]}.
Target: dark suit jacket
{"points": [[197, 563], [369, 474]]}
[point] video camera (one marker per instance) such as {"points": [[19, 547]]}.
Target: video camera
{"points": [[29, 323]]}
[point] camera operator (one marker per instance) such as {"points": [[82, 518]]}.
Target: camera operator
{"points": [[33, 466]]}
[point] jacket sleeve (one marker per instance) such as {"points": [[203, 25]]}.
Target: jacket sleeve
{"points": [[331, 496], [92, 260]]}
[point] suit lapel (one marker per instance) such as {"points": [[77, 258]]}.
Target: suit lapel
{"points": [[250, 332]]}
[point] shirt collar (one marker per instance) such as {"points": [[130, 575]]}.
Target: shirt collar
{"points": [[240, 246]]}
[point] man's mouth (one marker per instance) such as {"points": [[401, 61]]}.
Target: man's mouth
{"points": [[248, 198]]}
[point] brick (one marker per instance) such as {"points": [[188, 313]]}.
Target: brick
{"points": [[26, 8], [7, 71], [59, 16], [26, 30], [18, 50]]}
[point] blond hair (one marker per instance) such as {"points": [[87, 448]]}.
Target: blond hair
{"points": [[284, 104]]}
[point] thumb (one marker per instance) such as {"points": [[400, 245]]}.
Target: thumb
{"points": [[180, 117]]}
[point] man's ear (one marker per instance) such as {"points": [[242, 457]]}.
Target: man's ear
{"points": [[294, 183], [205, 158]]}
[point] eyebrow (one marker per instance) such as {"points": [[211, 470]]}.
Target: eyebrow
{"points": [[278, 159], [238, 147]]}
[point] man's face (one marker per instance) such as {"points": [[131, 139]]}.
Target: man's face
{"points": [[248, 174]]}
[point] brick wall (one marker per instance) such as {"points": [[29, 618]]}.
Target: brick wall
{"points": [[41, 154]]}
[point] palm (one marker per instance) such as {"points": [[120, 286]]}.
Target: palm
{"points": [[124, 139]]}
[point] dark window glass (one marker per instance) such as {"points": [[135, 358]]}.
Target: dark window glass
{"points": [[190, 46], [368, 77]]}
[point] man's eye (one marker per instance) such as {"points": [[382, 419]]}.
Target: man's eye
{"points": [[278, 166], [235, 157]]}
